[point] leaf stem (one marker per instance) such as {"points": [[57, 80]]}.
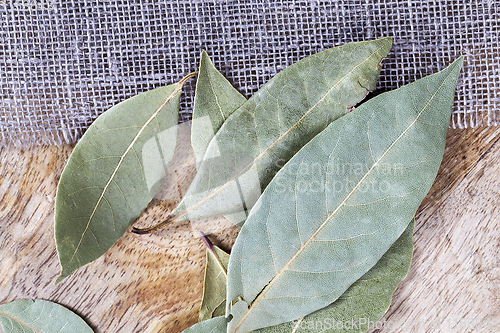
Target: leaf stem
{"points": [[153, 228], [187, 77], [210, 246], [207, 241]]}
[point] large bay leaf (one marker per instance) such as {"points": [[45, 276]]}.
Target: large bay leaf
{"points": [[258, 138], [338, 205], [214, 288], [362, 305], [113, 173], [215, 100], [366, 300], [40, 316], [214, 325]]}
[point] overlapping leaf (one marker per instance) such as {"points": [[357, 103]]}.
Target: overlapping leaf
{"points": [[365, 301], [288, 111], [113, 173], [214, 288], [338, 205], [215, 100], [40, 316], [214, 325]]}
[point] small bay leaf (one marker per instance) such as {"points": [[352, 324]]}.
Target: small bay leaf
{"points": [[214, 289], [339, 204], [288, 111], [40, 316], [113, 173], [214, 101], [366, 300], [214, 325]]}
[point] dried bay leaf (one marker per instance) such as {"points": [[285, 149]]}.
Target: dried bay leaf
{"points": [[215, 100], [214, 325], [40, 316], [366, 300], [214, 288], [113, 173], [339, 204], [267, 130]]}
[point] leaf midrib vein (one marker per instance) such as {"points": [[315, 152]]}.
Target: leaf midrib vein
{"points": [[263, 293], [219, 263], [279, 138], [174, 92], [216, 99]]}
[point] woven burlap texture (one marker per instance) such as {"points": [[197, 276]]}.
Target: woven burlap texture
{"points": [[63, 63]]}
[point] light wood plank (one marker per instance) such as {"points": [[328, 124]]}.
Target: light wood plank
{"points": [[454, 280], [141, 281]]}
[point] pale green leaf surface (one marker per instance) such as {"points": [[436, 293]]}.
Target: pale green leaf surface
{"points": [[113, 173], [214, 325], [214, 101], [288, 111], [39, 316], [366, 300], [338, 205], [214, 289]]}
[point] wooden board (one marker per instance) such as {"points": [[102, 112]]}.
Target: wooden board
{"points": [[155, 281], [454, 280]]}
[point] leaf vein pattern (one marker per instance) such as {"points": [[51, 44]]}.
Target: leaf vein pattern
{"points": [[327, 272], [283, 135], [13, 319], [330, 156], [279, 110], [370, 141], [297, 212], [111, 211], [82, 189], [297, 325], [92, 232], [304, 87], [216, 99], [141, 166], [319, 101], [374, 201], [258, 145], [268, 238], [172, 94], [93, 160], [301, 297], [125, 128], [64, 326], [285, 267], [402, 167], [123, 194], [158, 128]]}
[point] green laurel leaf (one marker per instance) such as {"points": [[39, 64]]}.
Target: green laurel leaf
{"points": [[339, 204]]}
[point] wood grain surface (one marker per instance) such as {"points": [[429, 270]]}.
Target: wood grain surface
{"points": [[153, 283]]}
